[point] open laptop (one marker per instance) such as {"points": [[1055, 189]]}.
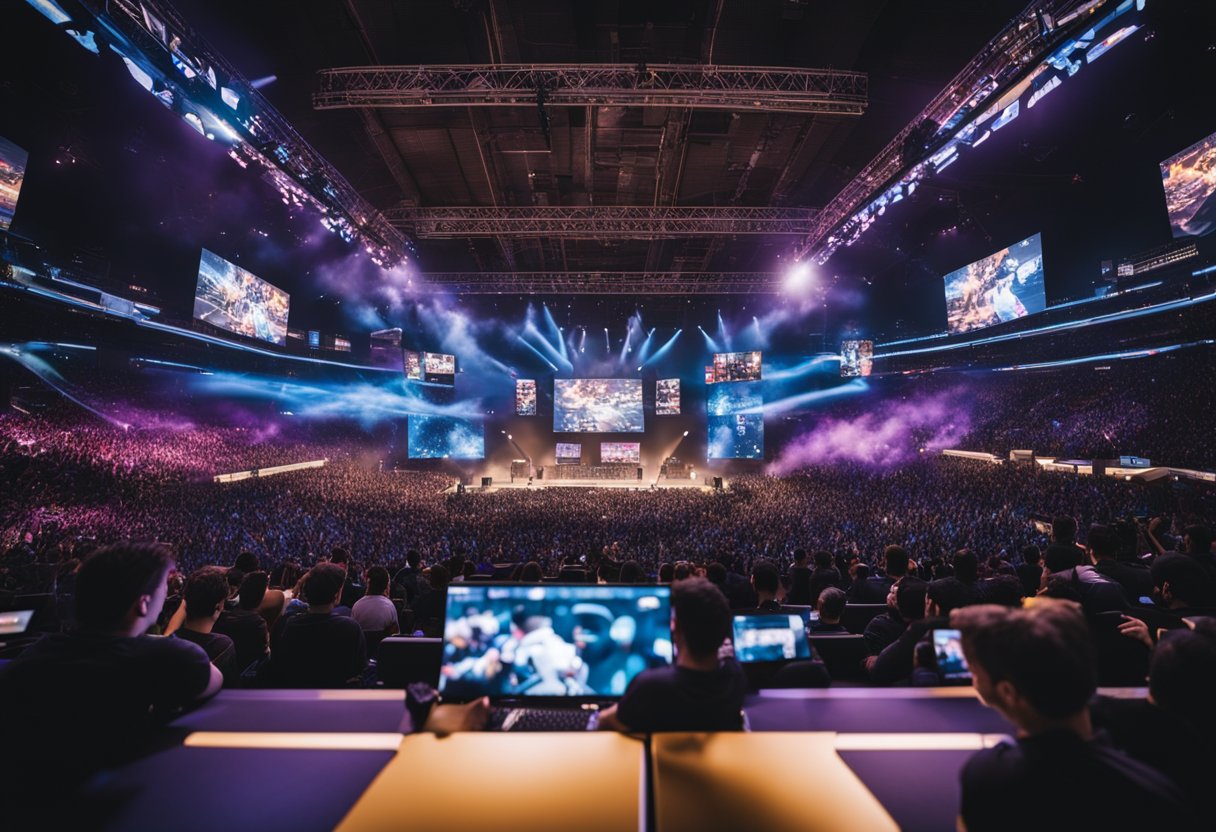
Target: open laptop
{"points": [[549, 656], [773, 637], [15, 622]]}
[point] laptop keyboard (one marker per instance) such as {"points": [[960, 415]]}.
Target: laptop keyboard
{"points": [[542, 719]]}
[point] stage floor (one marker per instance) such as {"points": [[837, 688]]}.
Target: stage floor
{"points": [[627, 485]]}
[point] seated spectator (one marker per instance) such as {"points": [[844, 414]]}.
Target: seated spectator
{"points": [[765, 582], [1097, 593], [374, 612], [1036, 667], [1102, 548], [894, 662], [431, 608], [1181, 589], [800, 581], [699, 692], [205, 594], [963, 586], [245, 625], [531, 573], [246, 562], [75, 701], [352, 590], [631, 573], [319, 649], [1030, 573], [904, 605], [875, 589], [824, 575], [667, 571], [830, 607], [409, 583]]}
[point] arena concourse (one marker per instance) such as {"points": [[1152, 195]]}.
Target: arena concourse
{"points": [[772, 415]]}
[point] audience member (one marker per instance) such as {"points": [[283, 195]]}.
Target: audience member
{"points": [[830, 607], [205, 594], [319, 649], [374, 612]]}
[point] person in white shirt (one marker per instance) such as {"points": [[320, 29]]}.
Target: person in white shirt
{"points": [[374, 612]]}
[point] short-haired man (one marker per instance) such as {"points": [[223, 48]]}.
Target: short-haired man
{"points": [[318, 649], [1102, 546], [1036, 667], [699, 692], [830, 607], [204, 597], [800, 580], [876, 588], [374, 612], [765, 582]]}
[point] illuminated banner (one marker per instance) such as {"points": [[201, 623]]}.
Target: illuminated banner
{"points": [[525, 397]]}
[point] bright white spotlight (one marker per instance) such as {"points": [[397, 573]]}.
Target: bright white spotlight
{"points": [[798, 276], [686, 433]]}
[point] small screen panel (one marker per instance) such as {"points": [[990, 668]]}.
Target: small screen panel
{"points": [[444, 437], [856, 358], [1001, 287], [667, 397], [13, 161], [735, 422], [1189, 179], [413, 365], [736, 366], [569, 452], [239, 301], [525, 397], [951, 663], [630, 452], [770, 638]]}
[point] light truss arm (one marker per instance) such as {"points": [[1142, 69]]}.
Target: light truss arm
{"points": [[642, 222], [661, 85], [601, 283]]}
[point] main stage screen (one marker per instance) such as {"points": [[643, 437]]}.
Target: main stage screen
{"points": [[856, 358], [1189, 178], [597, 405], [621, 452], [1001, 287], [440, 437], [12, 171], [239, 301], [667, 397], [735, 423], [525, 397]]}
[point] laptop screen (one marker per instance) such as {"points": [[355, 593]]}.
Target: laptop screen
{"points": [[552, 640], [13, 623], [770, 638], [951, 664]]}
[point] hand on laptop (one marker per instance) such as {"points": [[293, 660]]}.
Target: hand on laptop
{"points": [[448, 719]]}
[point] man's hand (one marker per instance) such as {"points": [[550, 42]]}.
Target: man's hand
{"points": [[1137, 629], [449, 719]]}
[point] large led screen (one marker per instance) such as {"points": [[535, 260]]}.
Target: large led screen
{"points": [[444, 437], [621, 452], [525, 397], [735, 422], [239, 301], [856, 358], [735, 366], [597, 405], [12, 171], [568, 452], [1190, 188], [667, 397], [1001, 287]]}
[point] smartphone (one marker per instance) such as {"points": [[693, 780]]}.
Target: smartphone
{"points": [[951, 663]]}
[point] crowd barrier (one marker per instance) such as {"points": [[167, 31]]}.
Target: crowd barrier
{"points": [[269, 472]]}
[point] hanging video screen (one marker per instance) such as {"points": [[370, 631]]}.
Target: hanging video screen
{"points": [[735, 422], [597, 405], [12, 171], [444, 437], [525, 397], [412, 364], [667, 397], [1189, 179], [856, 358], [439, 368], [569, 453], [630, 452], [239, 301], [1002, 287], [734, 366]]}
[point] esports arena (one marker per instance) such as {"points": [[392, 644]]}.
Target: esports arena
{"points": [[778, 414]]}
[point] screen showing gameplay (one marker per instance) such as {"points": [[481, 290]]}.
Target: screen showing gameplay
{"points": [[1190, 188], [525, 397], [569, 453], [736, 366], [413, 365], [597, 405], [735, 422], [552, 640], [1001, 287], [667, 397], [856, 358], [621, 452], [12, 171], [770, 638], [444, 437], [439, 368], [239, 301]]}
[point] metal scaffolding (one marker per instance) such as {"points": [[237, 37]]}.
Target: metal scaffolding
{"points": [[600, 283], [779, 89], [591, 222]]}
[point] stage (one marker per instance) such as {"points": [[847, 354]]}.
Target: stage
{"points": [[619, 485]]}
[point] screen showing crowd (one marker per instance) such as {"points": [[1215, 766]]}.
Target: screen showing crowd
{"points": [[239, 301], [734, 366], [12, 171], [735, 422], [1001, 287], [621, 452], [553, 640], [569, 452], [856, 358], [444, 437], [525, 397], [597, 405], [667, 397], [1189, 178]]}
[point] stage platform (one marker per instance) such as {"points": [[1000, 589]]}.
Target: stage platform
{"points": [[620, 485]]}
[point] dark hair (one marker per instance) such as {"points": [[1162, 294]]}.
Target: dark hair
{"points": [[253, 590], [1063, 529], [861, 571], [1006, 590], [413, 558], [206, 589], [831, 603], [440, 576], [765, 576], [703, 615], [246, 562], [113, 578], [1061, 556], [682, 571], [339, 556], [1032, 555], [716, 573], [1102, 541], [377, 580], [531, 573], [1045, 651], [948, 594], [1183, 675], [823, 560], [666, 571], [895, 561], [234, 577], [1187, 578], [631, 573], [1201, 539], [910, 598], [799, 555], [966, 566], [323, 583]]}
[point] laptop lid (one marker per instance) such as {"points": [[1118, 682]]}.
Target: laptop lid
{"points": [[775, 637], [15, 622], [551, 643]]}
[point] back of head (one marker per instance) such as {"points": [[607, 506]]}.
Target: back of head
{"points": [[253, 590], [1199, 540], [764, 576], [861, 571], [1063, 529], [681, 572], [716, 573], [910, 598], [1044, 651], [966, 566], [1031, 555], [440, 576], [206, 589], [413, 558], [823, 560], [831, 603], [667, 571], [377, 580], [1005, 590], [1102, 541], [323, 583], [246, 562], [948, 594], [895, 561], [1183, 676], [340, 557], [800, 557], [531, 573], [113, 578], [631, 573], [702, 614], [1187, 578], [1060, 557]]}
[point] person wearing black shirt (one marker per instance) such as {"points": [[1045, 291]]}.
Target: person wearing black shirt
{"points": [[699, 692], [1030, 573], [204, 597], [318, 649], [800, 581], [1036, 667], [830, 607], [245, 625], [409, 582], [903, 605], [765, 582], [824, 575], [1135, 578], [431, 609], [874, 590]]}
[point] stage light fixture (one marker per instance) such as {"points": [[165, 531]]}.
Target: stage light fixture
{"points": [[798, 276]]}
